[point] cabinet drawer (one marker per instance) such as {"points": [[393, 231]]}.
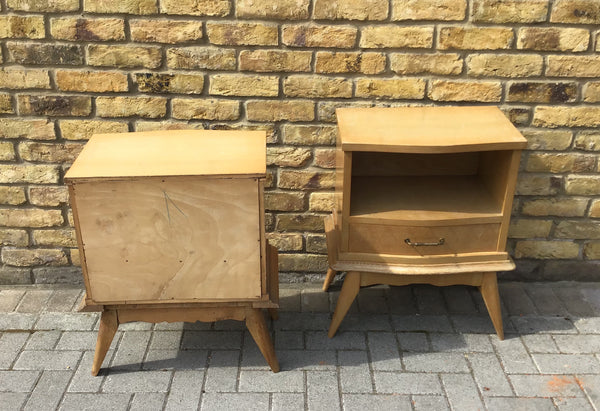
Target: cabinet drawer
{"points": [[438, 240]]}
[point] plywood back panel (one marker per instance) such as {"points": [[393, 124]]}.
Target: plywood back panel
{"points": [[171, 239], [400, 164]]}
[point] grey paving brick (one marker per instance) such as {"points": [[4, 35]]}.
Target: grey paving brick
{"points": [[519, 404], [591, 386], [18, 381], [148, 401], [306, 359], [164, 326], [175, 360], [413, 341], [48, 391], [545, 386], [130, 351], [302, 321], [460, 342], [66, 321], [575, 301], [545, 300], [133, 326], [268, 381], [489, 375], [231, 325], [288, 340], [185, 391], [10, 346], [578, 344], [478, 324], [228, 401], [515, 299], [197, 326], [513, 355], [462, 392], [322, 391], [458, 300], [407, 383], [314, 300], [402, 301], [222, 372], [366, 322], [349, 340], [591, 294], [137, 381], [42, 340], [63, 300], [165, 340], [540, 343], [287, 401], [218, 340], [543, 325], [17, 321], [82, 340], [333, 298], [83, 381], [435, 362], [566, 364], [589, 325], [355, 376], [361, 402], [430, 402], [289, 299], [9, 299], [383, 348], [34, 301], [99, 402], [13, 400], [430, 300], [47, 360], [573, 404], [373, 300], [420, 323]]}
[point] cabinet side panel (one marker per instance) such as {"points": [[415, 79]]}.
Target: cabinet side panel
{"points": [[73, 201], [171, 239]]}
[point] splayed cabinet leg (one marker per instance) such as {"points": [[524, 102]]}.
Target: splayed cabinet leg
{"points": [[328, 278], [108, 327], [347, 295], [255, 321], [489, 292]]}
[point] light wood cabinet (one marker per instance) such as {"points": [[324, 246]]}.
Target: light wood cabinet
{"points": [[423, 191]]}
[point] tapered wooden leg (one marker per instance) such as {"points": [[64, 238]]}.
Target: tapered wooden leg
{"points": [[274, 313], [255, 321], [329, 278], [489, 292], [106, 333], [347, 295]]}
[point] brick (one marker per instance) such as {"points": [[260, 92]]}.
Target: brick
{"points": [[475, 38], [147, 107], [43, 6], [12, 195], [288, 156], [573, 66], [582, 185], [591, 250], [31, 27], [591, 92], [326, 109], [350, 10], [302, 262], [54, 105], [6, 104], [242, 34], [166, 125], [55, 238], [316, 243], [283, 9], [275, 60], [559, 163], [553, 39], [449, 64], [323, 202], [595, 209], [509, 11], [7, 151], [28, 257], [289, 110], [125, 6], [394, 88], [84, 129], [306, 179], [324, 157], [205, 109], [225, 401], [16, 238], [544, 139], [537, 92], [267, 128], [210, 58], [285, 241], [546, 249], [556, 116], [44, 54], [30, 217], [309, 134], [91, 81], [505, 65], [575, 12], [165, 31], [529, 228], [124, 56], [484, 91], [243, 85], [319, 36], [12, 78], [384, 36], [586, 230], [317, 86], [217, 8], [428, 9], [49, 153], [349, 62], [519, 116], [21, 173], [79, 29], [48, 196], [564, 207], [30, 129], [170, 83]]}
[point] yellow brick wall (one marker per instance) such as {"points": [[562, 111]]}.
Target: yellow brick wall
{"points": [[71, 68]]}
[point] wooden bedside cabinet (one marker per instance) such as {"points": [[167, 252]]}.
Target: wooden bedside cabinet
{"points": [[423, 194], [170, 227]]}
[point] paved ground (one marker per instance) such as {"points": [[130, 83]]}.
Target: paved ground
{"points": [[405, 348]]}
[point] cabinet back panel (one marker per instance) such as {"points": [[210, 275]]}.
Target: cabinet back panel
{"points": [[401, 164]]}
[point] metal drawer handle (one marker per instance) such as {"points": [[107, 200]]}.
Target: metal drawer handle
{"points": [[417, 244]]}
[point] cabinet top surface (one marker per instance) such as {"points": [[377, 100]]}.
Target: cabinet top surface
{"points": [[172, 153], [427, 129]]}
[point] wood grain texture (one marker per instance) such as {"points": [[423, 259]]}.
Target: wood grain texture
{"points": [[106, 332]]}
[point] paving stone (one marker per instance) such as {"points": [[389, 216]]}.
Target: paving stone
{"points": [[231, 401], [130, 351], [288, 340], [83, 380], [541, 325], [48, 391], [47, 360], [546, 301], [383, 348], [100, 402], [575, 302], [17, 321], [407, 383], [289, 300], [64, 300], [313, 300], [458, 300], [302, 321], [306, 359], [460, 343], [435, 362], [268, 381], [230, 325], [165, 340], [18, 381], [349, 340], [366, 322], [578, 344], [322, 390], [197, 326], [588, 325], [170, 326], [518, 404], [82, 340], [573, 404], [10, 345], [566, 364], [287, 402], [222, 372], [133, 326], [489, 375], [462, 392], [222, 340], [10, 299], [430, 403], [360, 402], [591, 294], [34, 301], [355, 376], [421, 323], [545, 386], [175, 360], [515, 299], [591, 385], [430, 300], [333, 298], [513, 355], [12, 400], [66, 321], [137, 381], [148, 401], [540, 343], [42, 340], [372, 300], [252, 358], [478, 324], [185, 391], [413, 342], [402, 301]]}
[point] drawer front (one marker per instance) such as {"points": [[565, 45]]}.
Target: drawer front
{"points": [[439, 240]]}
